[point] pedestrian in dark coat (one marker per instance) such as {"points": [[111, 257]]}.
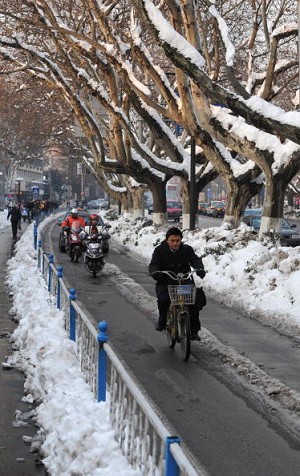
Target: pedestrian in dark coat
{"points": [[173, 255], [15, 217]]}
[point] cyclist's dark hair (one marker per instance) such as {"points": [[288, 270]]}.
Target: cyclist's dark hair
{"points": [[173, 231]]}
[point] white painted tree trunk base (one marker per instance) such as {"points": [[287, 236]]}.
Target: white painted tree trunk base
{"points": [[231, 220], [269, 224], [186, 221], [160, 218], [138, 213]]}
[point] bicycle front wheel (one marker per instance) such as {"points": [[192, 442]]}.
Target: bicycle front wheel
{"points": [[185, 335], [171, 329]]}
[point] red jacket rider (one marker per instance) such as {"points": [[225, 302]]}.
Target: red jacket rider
{"points": [[69, 220]]}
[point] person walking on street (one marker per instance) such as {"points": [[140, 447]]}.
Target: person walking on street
{"points": [[15, 217], [173, 255], [24, 213]]}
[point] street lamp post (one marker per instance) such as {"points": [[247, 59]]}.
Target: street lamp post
{"points": [[2, 189], [192, 185], [19, 191], [299, 54], [18, 183]]}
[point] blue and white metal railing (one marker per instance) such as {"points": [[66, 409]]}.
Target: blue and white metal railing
{"points": [[146, 442], [72, 313], [102, 339], [59, 274]]}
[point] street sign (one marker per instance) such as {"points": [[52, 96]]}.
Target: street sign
{"points": [[35, 190]]}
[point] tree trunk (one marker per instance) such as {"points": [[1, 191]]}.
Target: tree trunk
{"points": [[126, 202], [158, 190], [290, 198], [275, 187], [186, 208], [238, 197], [137, 195], [185, 198]]}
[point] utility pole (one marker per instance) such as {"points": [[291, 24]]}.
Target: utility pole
{"points": [[82, 186], [299, 55], [18, 193], [192, 184]]}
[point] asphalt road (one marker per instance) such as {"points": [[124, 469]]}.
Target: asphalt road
{"points": [[227, 423]]}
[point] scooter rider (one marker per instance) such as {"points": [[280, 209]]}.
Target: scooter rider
{"points": [[74, 217], [93, 228], [173, 255], [96, 231]]}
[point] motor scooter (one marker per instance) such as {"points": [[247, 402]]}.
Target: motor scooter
{"points": [[74, 242], [94, 250]]}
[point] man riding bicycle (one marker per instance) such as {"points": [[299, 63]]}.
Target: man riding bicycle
{"points": [[173, 255]]}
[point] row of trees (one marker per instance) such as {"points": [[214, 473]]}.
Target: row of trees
{"points": [[132, 71]]}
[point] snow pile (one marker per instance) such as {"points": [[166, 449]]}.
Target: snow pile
{"points": [[75, 433]]}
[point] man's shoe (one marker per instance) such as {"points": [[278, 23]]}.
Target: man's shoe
{"points": [[159, 327], [195, 336]]}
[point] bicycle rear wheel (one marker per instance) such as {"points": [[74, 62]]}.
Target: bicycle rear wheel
{"points": [[171, 329], [185, 335]]}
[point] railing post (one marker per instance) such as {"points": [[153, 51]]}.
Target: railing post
{"points": [[35, 235], [102, 338], [43, 263], [171, 467], [72, 297], [50, 271], [59, 274], [39, 254]]}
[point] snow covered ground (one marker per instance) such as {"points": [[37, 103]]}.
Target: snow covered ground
{"points": [[76, 435]]}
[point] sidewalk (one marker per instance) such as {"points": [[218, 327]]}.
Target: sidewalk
{"points": [[15, 456]]}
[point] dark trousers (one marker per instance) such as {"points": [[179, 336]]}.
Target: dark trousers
{"points": [[14, 228], [163, 303]]}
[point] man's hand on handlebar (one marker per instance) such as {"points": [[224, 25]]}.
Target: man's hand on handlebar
{"points": [[200, 273], [155, 275]]}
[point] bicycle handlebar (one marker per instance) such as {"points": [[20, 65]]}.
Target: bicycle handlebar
{"points": [[178, 277]]}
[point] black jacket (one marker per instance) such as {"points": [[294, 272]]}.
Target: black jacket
{"points": [[181, 261], [14, 214]]}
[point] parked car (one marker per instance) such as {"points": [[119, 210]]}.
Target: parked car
{"points": [[174, 210], [252, 211], [216, 208], [289, 236], [202, 208], [103, 204], [93, 204], [149, 207]]}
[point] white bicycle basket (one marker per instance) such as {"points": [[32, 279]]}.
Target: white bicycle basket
{"points": [[182, 294]]}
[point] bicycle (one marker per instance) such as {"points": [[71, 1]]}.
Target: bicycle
{"points": [[178, 327]]}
